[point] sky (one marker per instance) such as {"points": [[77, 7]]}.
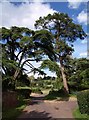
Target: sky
{"points": [[25, 13]]}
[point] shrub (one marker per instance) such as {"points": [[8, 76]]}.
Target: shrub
{"points": [[24, 92], [61, 93], [57, 94], [83, 101]]}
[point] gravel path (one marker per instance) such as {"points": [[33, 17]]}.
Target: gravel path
{"points": [[48, 110]]}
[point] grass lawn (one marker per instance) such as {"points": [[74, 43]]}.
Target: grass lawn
{"points": [[46, 91], [78, 116], [13, 113]]}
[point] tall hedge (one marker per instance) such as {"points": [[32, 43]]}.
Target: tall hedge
{"points": [[83, 101]]}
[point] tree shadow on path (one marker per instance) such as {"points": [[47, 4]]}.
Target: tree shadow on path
{"points": [[35, 115]]}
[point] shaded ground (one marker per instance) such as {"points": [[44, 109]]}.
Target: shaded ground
{"points": [[48, 110]]}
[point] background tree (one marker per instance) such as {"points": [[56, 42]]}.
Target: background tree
{"points": [[79, 73], [64, 32]]}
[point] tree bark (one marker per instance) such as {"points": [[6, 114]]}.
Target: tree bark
{"points": [[64, 77]]}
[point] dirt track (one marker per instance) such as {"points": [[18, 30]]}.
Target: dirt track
{"points": [[48, 110]]}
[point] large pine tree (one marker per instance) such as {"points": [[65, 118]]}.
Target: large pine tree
{"points": [[64, 32]]}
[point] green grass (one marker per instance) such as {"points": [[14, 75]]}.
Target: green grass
{"points": [[78, 116], [13, 113], [46, 91]]}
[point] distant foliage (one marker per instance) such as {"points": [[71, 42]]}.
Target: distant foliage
{"points": [[78, 73]]}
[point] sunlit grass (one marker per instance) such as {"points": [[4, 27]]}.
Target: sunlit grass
{"points": [[78, 116]]}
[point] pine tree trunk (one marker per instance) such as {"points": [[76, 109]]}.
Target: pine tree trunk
{"points": [[64, 77]]}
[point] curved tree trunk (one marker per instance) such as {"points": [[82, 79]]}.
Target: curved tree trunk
{"points": [[64, 77]]}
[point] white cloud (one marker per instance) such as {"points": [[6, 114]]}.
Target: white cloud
{"points": [[84, 54], [25, 14], [22, 0], [82, 17], [74, 4], [84, 41]]}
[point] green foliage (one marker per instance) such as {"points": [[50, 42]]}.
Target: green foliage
{"points": [[53, 66], [83, 101], [21, 45], [23, 80], [57, 84], [12, 40], [24, 92], [85, 76], [43, 41], [57, 94], [68, 30], [8, 83], [78, 73], [63, 29]]}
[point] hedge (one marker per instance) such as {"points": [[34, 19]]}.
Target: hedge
{"points": [[83, 101]]}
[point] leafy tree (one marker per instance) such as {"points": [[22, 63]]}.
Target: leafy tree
{"points": [[64, 32], [20, 46], [12, 43]]}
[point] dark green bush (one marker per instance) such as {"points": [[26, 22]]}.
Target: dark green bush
{"points": [[83, 101], [61, 93], [24, 92], [57, 94]]}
